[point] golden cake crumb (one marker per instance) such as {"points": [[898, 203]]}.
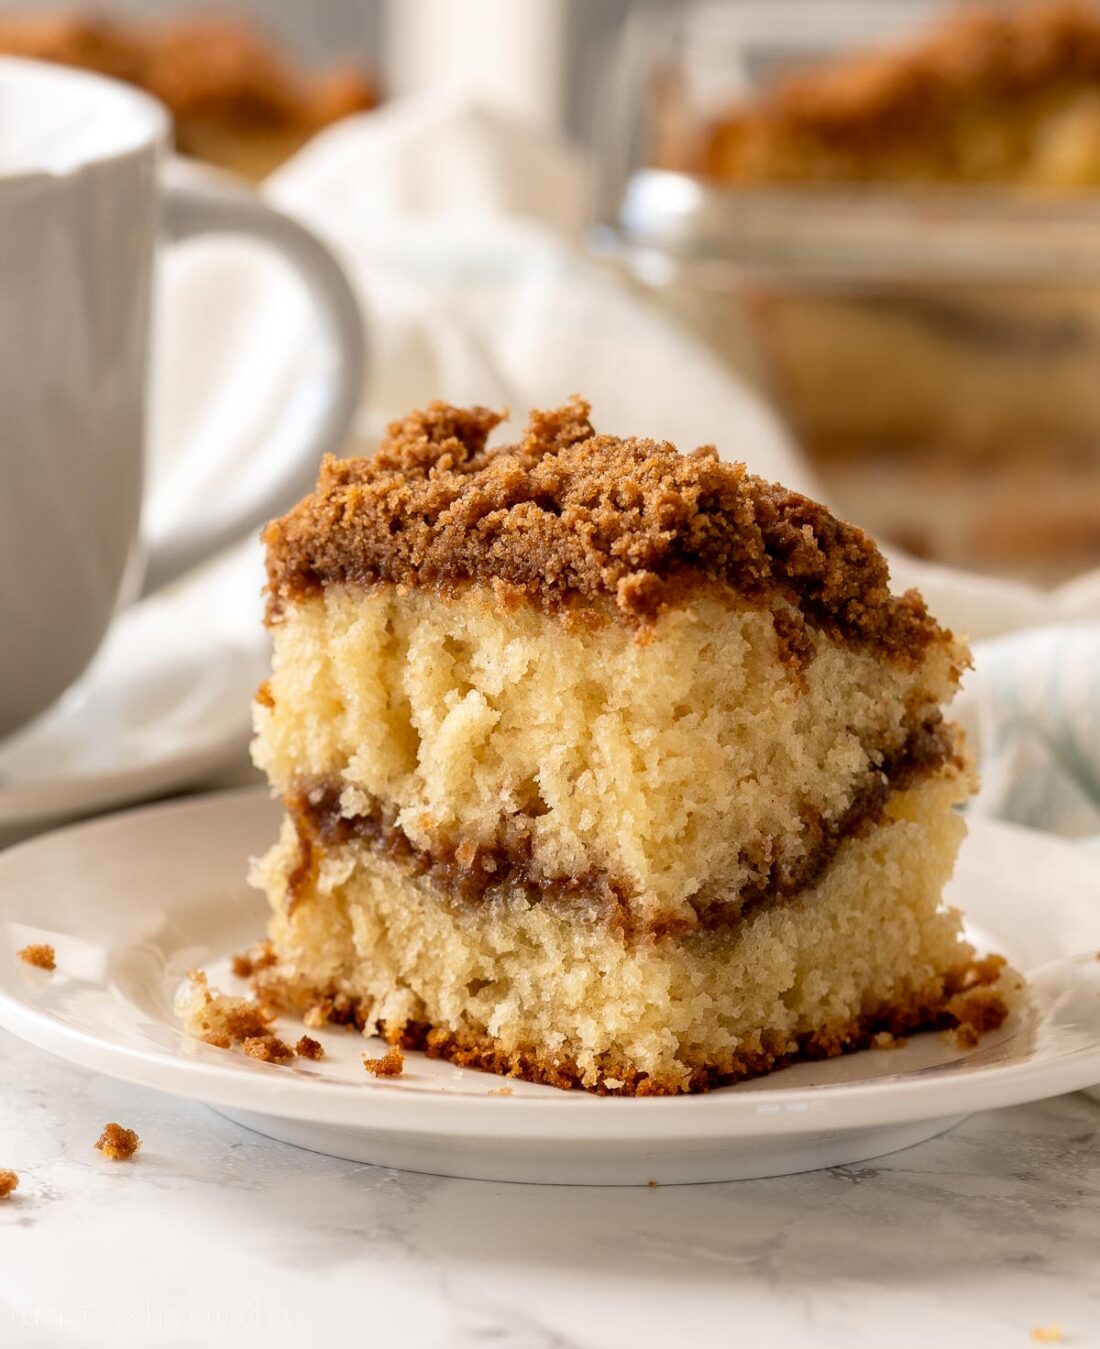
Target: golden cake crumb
{"points": [[40, 956], [391, 1064], [9, 1183], [267, 1048], [1052, 1334], [964, 1037], [501, 1091], [317, 1014], [309, 1048], [886, 1040], [214, 1017], [118, 1143], [247, 963]]}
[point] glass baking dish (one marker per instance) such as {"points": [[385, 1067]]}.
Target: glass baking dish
{"points": [[935, 349]]}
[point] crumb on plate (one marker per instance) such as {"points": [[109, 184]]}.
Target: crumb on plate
{"points": [[215, 1017], [41, 956], [317, 1014], [9, 1183], [309, 1048], [267, 1048], [391, 1064], [501, 1091], [258, 957], [118, 1143]]}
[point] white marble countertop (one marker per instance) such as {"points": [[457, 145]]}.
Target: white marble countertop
{"points": [[217, 1237]]}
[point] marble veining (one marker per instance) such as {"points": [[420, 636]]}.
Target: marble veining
{"points": [[218, 1237]]}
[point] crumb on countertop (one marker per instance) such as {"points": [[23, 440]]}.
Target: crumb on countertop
{"points": [[40, 956], [391, 1064], [9, 1183], [652, 1184], [1052, 1334], [118, 1143], [267, 1048]]}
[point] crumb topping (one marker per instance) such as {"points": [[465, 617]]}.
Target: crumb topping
{"points": [[9, 1183], [569, 518], [309, 1048], [40, 956], [391, 1064], [118, 1143]]}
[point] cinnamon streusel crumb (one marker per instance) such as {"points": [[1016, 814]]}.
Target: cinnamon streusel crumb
{"points": [[118, 1143], [316, 1015], [40, 956], [622, 526], [391, 1064], [9, 1183], [309, 1048], [267, 1048]]}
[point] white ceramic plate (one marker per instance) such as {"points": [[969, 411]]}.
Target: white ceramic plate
{"points": [[165, 703], [132, 902]]}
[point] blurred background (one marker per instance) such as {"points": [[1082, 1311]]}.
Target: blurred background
{"points": [[880, 214]]}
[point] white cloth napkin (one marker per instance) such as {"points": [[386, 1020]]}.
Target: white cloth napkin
{"points": [[460, 230]]}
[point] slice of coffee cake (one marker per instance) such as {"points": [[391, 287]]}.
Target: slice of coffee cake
{"points": [[603, 765]]}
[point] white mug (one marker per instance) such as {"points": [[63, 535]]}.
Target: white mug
{"points": [[83, 201]]}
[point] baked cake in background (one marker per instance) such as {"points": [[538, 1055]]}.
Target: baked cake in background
{"points": [[991, 95], [933, 336], [603, 765], [237, 101]]}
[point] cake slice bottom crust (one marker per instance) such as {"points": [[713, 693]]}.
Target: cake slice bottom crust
{"points": [[528, 990]]}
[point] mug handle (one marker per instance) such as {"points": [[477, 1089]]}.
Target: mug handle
{"points": [[322, 412]]}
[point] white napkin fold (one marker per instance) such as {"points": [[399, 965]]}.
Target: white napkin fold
{"points": [[459, 229]]}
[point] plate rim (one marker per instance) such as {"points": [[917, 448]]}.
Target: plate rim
{"points": [[562, 1116]]}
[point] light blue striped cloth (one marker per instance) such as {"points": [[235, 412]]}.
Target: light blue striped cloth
{"points": [[1031, 706]]}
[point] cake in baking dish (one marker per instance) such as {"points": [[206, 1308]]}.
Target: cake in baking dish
{"points": [[604, 765], [237, 100], [992, 94]]}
